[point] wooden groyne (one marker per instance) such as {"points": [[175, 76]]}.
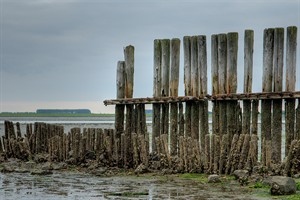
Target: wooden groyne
{"points": [[180, 140], [234, 140]]}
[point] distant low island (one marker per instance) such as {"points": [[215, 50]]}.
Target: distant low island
{"points": [[56, 113]]}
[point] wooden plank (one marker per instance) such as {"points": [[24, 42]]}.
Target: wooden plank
{"points": [[268, 49], [291, 54], [219, 97], [277, 104], [248, 68], [175, 58]]}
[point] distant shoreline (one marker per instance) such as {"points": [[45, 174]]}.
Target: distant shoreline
{"points": [[55, 115]]}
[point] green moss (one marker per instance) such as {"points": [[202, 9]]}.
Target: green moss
{"points": [[259, 185], [298, 185], [193, 176]]}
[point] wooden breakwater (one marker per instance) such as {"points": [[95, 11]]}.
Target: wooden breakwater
{"points": [[233, 142], [180, 140]]}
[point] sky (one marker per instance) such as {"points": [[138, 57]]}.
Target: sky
{"points": [[64, 53]]}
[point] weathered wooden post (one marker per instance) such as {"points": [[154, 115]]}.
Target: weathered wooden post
{"points": [[174, 80], [297, 133], [203, 105], [248, 67], [215, 90], [222, 69], [129, 71], [231, 83], [119, 109], [277, 103], [165, 79], [291, 53], [187, 83], [268, 49], [156, 115], [195, 88]]}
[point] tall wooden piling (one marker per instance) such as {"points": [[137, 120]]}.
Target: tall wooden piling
{"points": [[248, 68], [222, 70], [291, 53], [165, 79], [195, 89], [215, 83], [231, 83], [156, 115], [129, 71], [119, 109], [268, 49], [203, 105], [187, 83], [277, 104], [297, 133], [174, 81]]}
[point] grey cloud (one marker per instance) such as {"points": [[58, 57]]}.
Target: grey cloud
{"points": [[66, 50]]}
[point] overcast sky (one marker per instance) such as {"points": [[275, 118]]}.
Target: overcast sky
{"points": [[64, 53]]}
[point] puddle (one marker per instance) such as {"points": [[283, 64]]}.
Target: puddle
{"points": [[73, 185]]}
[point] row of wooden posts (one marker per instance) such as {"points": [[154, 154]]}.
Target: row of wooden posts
{"points": [[188, 116], [103, 146]]}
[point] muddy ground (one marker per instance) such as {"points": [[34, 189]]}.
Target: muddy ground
{"points": [[29, 181]]}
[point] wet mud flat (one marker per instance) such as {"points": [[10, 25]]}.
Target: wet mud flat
{"points": [[78, 185], [70, 182]]}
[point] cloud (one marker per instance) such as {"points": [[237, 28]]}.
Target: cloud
{"points": [[65, 50]]}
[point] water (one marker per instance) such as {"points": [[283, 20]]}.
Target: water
{"points": [[74, 185]]}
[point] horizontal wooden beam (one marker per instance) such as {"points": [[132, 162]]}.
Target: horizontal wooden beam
{"points": [[218, 97]]}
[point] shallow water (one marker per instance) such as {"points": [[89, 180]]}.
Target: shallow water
{"points": [[71, 185]]}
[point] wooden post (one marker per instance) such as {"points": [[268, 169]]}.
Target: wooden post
{"points": [[180, 130], [222, 69], [129, 71], [223, 154], [119, 109], [297, 133], [277, 104], [217, 154], [175, 58], [244, 152], [156, 93], [291, 54], [207, 152], [165, 68], [215, 85], [18, 130], [203, 106], [268, 49], [231, 84], [187, 83], [248, 67], [195, 89]]}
